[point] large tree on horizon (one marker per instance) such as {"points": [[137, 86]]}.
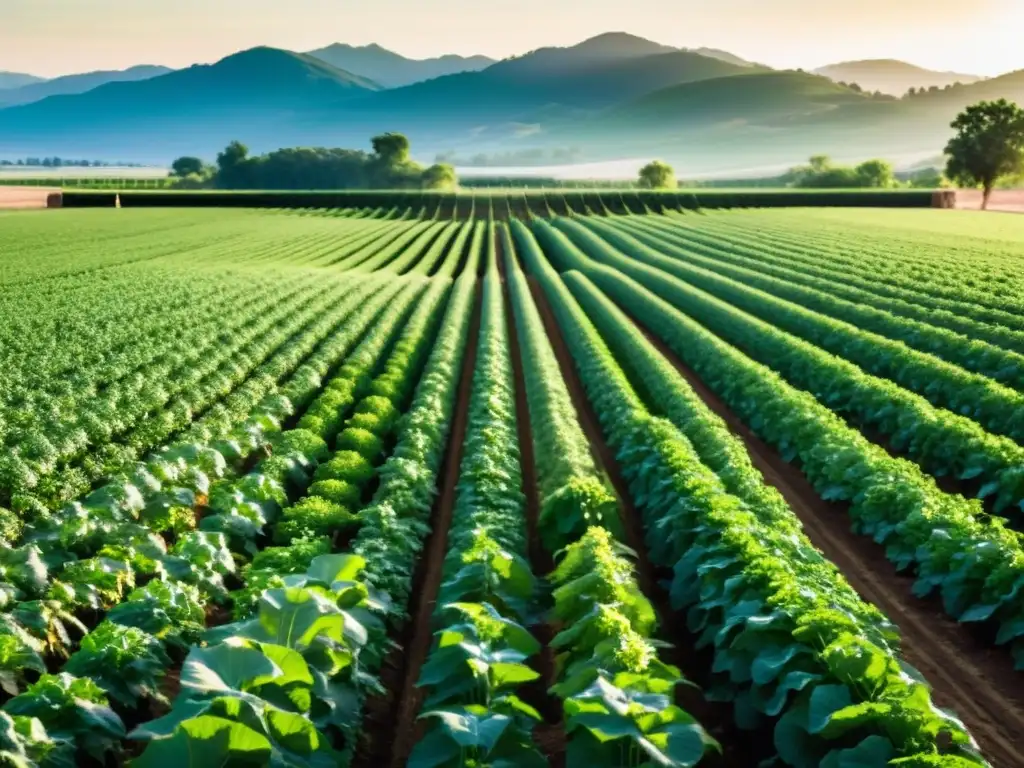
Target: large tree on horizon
{"points": [[657, 175], [988, 145]]}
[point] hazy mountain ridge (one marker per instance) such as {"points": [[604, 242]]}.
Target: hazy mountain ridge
{"points": [[611, 96], [392, 70], [263, 91], [75, 84], [17, 80], [892, 76]]}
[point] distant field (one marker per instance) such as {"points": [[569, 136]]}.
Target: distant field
{"points": [[287, 480], [9, 173]]}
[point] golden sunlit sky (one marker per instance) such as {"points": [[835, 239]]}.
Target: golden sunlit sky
{"points": [[53, 37]]}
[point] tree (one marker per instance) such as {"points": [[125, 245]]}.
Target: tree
{"points": [[927, 178], [440, 176], [391, 148], [234, 154], [657, 175], [185, 166], [820, 163], [231, 166], [875, 173], [988, 145]]}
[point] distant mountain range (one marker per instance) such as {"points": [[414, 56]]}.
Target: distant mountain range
{"points": [[72, 84], [609, 97], [16, 80], [393, 70], [892, 76], [254, 95]]}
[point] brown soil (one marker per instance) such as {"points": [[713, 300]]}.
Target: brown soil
{"points": [[1002, 200], [217, 615], [974, 679], [550, 735], [740, 748], [26, 197], [389, 727]]}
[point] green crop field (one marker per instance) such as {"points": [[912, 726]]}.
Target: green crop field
{"points": [[435, 486]]}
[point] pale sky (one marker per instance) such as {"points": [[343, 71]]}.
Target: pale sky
{"points": [[53, 37]]}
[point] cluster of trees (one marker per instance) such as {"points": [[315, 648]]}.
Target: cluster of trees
{"points": [[875, 95], [61, 162], [822, 173], [922, 91], [986, 151], [388, 166]]}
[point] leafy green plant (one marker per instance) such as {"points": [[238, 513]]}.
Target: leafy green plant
{"points": [[574, 494], [170, 611], [74, 712], [337, 491], [17, 655], [655, 731], [349, 466], [313, 516], [478, 657], [779, 616], [476, 735], [125, 662], [362, 441], [24, 742]]}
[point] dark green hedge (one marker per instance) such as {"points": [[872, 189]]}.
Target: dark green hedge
{"points": [[536, 202]]}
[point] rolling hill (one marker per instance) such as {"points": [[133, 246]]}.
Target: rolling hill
{"points": [[546, 85], [74, 84], [609, 97], [17, 80], [891, 76], [717, 53], [775, 118], [753, 97], [254, 95], [393, 70]]}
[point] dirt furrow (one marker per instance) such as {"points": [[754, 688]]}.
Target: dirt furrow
{"points": [[967, 675], [389, 727], [740, 748], [549, 736]]}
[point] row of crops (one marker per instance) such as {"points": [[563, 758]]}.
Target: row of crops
{"points": [[514, 201], [377, 487]]}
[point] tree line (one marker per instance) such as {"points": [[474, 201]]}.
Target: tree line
{"points": [[987, 148], [387, 166], [63, 162]]}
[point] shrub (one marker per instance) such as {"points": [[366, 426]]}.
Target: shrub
{"points": [[294, 558], [387, 386], [312, 423], [303, 442], [338, 491], [361, 441], [346, 465], [368, 421], [10, 526], [312, 517], [380, 407]]}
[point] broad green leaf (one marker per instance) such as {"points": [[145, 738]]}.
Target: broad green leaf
{"points": [[329, 569], [826, 700], [207, 741], [873, 752], [227, 666]]}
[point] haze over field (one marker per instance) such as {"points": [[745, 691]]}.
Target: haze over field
{"points": [[711, 86]]}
